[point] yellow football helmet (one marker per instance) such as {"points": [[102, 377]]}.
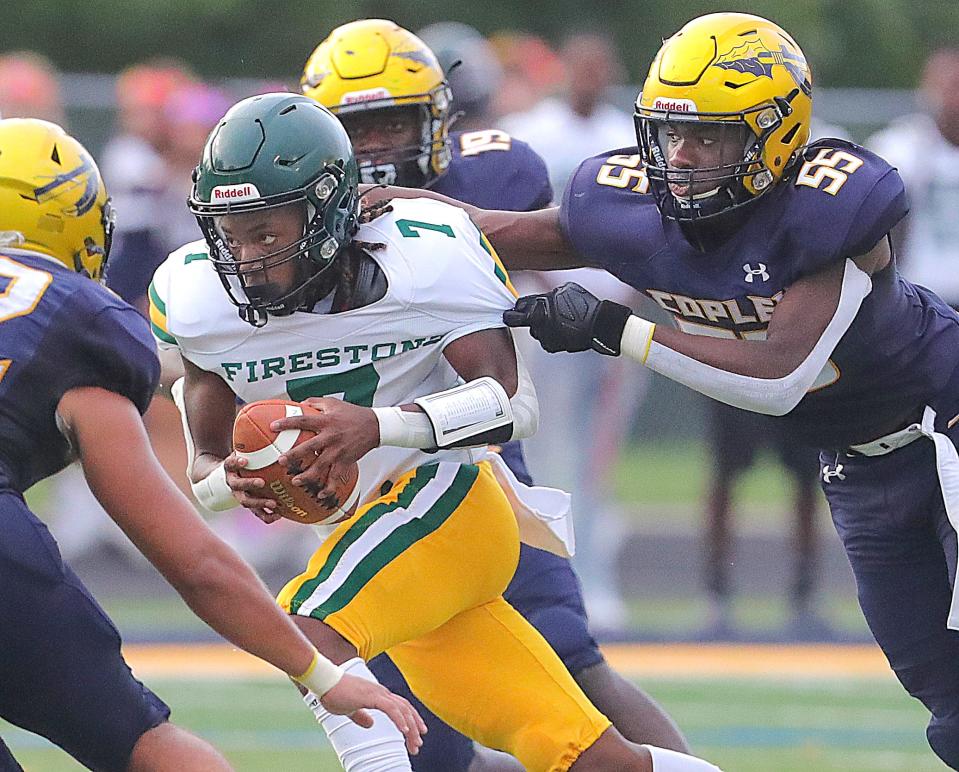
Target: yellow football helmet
{"points": [[729, 70], [52, 195], [375, 64]]}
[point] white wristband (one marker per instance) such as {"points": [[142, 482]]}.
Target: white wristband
{"points": [[637, 337], [404, 429], [321, 676], [213, 492]]}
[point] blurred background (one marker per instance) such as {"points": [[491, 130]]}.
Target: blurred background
{"points": [[695, 525]]}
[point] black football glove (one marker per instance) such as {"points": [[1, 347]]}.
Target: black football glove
{"points": [[570, 318]]}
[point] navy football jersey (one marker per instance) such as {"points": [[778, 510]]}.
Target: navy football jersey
{"points": [[58, 331], [902, 350], [492, 170]]}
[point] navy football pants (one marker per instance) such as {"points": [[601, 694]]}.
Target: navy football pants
{"points": [[61, 674], [545, 591], [890, 516]]}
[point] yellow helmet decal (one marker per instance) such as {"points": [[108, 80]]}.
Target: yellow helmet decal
{"points": [[52, 195], [754, 58]]}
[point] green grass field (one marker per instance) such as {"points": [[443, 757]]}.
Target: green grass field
{"points": [[662, 487], [750, 725]]}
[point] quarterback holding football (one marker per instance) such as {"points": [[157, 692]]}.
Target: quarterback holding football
{"points": [[392, 331]]}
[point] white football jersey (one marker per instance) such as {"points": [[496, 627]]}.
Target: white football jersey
{"points": [[444, 281]]}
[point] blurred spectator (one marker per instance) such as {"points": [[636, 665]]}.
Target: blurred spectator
{"points": [[925, 148], [159, 162], [588, 408], [134, 167], [30, 87], [191, 113], [472, 70], [735, 438], [531, 71], [567, 128]]}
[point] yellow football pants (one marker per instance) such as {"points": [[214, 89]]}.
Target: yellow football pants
{"points": [[420, 573]]}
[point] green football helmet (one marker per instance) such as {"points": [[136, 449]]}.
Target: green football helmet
{"points": [[271, 151]]}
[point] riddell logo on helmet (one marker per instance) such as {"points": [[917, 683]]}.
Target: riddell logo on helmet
{"points": [[675, 105], [367, 95], [242, 192]]}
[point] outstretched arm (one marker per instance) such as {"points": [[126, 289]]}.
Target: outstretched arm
{"points": [[107, 432], [525, 241], [769, 376]]}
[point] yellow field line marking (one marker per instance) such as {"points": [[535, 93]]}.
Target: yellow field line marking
{"points": [[197, 661], [733, 660]]}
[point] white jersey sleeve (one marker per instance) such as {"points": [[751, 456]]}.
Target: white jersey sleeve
{"points": [[454, 274], [158, 295], [189, 308]]}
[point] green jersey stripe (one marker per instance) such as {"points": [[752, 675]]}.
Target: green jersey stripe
{"points": [[155, 299], [400, 540], [423, 475], [162, 334]]}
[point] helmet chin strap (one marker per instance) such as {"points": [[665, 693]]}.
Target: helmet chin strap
{"points": [[253, 316]]}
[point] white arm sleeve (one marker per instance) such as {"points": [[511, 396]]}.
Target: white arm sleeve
{"points": [[772, 396], [407, 429], [524, 403]]}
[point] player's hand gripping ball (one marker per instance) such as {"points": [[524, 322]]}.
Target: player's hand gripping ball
{"points": [[254, 441]]}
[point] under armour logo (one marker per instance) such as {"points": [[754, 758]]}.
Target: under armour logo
{"points": [[828, 475], [751, 272]]}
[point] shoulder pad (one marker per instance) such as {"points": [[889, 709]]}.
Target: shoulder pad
{"points": [[188, 302], [842, 200], [446, 262], [114, 343], [493, 170], [607, 209]]}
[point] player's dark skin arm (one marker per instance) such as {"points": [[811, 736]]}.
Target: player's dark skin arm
{"points": [[346, 432], [211, 409], [795, 327], [525, 241], [534, 240]]}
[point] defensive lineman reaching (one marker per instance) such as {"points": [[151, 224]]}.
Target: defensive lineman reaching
{"points": [[399, 322], [389, 92], [734, 226], [78, 366]]}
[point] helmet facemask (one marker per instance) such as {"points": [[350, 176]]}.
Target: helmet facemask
{"points": [[739, 174], [96, 255], [416, 165], [248, 282]]}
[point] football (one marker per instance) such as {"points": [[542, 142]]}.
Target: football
{"points": [[261, 447]]}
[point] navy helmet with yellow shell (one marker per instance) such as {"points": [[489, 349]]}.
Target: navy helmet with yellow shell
{"points": [[270, 151], [52, 198], [376, 65], [745, 78]]}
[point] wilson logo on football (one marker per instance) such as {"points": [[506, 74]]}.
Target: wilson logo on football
{"points": [[675, 105], [241, 192], [367, 95]]}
